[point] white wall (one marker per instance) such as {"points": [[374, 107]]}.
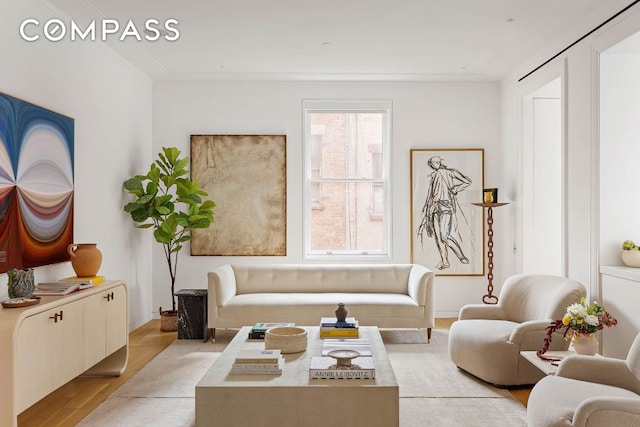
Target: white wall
{"points": [[619, 201], [619, 153], [111, 104], [583, 144], [425, 115]]}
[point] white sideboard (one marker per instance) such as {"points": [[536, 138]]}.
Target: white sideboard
{"points": [[620, 287], [48, 344]]}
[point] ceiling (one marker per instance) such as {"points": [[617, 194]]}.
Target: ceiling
{"points": [[343, 39]]}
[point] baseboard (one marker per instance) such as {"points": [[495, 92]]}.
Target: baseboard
{"points": [[136, 323], [447, 314]]}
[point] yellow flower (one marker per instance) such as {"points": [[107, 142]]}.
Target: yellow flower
{"points": [[566, 319]]}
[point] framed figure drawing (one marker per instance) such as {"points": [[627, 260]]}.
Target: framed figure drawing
{"points": [[447, 231]]}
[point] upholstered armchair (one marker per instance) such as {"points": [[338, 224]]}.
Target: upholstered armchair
{"points": [[589, 391], [486, 340]]}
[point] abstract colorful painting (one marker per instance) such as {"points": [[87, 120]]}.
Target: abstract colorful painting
{"points": [[36, 185]]}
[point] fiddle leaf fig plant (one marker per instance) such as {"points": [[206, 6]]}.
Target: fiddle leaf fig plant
{"points": [[168, 201]]}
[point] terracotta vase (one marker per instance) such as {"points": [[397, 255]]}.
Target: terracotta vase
{"points": [[85, 258], [586, 345]]}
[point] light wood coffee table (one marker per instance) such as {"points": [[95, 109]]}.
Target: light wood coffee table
{"points": [[292, 399]]}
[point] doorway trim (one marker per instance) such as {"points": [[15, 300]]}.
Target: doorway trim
{"points": [[526, 89]]}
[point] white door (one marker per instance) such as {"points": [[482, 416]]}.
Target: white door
{"points": [[543, 180]]}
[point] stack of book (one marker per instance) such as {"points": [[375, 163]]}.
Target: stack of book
{"points": [[325, 368], [67, 285], [258, 362], [93, 280], [259, 329], [331, 328], [58, 288]]}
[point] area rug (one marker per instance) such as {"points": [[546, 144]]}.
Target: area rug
{"points": [[433, 391]]}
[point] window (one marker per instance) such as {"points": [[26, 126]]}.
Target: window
{"points": [[346, 207]]}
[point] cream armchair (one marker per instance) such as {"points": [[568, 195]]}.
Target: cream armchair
{"points": [[486, 340], [589, 391]]}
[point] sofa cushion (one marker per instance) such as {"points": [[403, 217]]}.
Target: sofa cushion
{"points": [[384, 295], [488, 340], [326, 278], [317, 305]]}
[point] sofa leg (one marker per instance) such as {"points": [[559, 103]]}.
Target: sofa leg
{"points": [[428, 335], [213, 335]]}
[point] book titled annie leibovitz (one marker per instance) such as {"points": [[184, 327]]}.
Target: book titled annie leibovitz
{"points": [[324, 368]]}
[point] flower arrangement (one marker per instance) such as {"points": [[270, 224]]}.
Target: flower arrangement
{"points": [[581, 319]]}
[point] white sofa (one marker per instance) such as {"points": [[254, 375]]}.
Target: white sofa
{"points": [[383, 295]]}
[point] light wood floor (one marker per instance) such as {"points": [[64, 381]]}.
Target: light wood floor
{"points": [[77, 399]]}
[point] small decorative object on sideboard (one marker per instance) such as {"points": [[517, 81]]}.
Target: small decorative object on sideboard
{"points": [[21, 283], [580, 323], [630, 254], [19, 302], [85, 258]]}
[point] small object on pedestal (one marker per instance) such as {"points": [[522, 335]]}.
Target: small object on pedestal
{"points": [[341, 313], [490, 195]]}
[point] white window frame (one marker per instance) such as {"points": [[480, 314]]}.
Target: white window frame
{"points": [[363, 106]]}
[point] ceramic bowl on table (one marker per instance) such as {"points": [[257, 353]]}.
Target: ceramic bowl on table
{"points": [[287, 339]]}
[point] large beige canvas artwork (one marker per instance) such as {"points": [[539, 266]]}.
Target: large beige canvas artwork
{"points": [[245, 175]]}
